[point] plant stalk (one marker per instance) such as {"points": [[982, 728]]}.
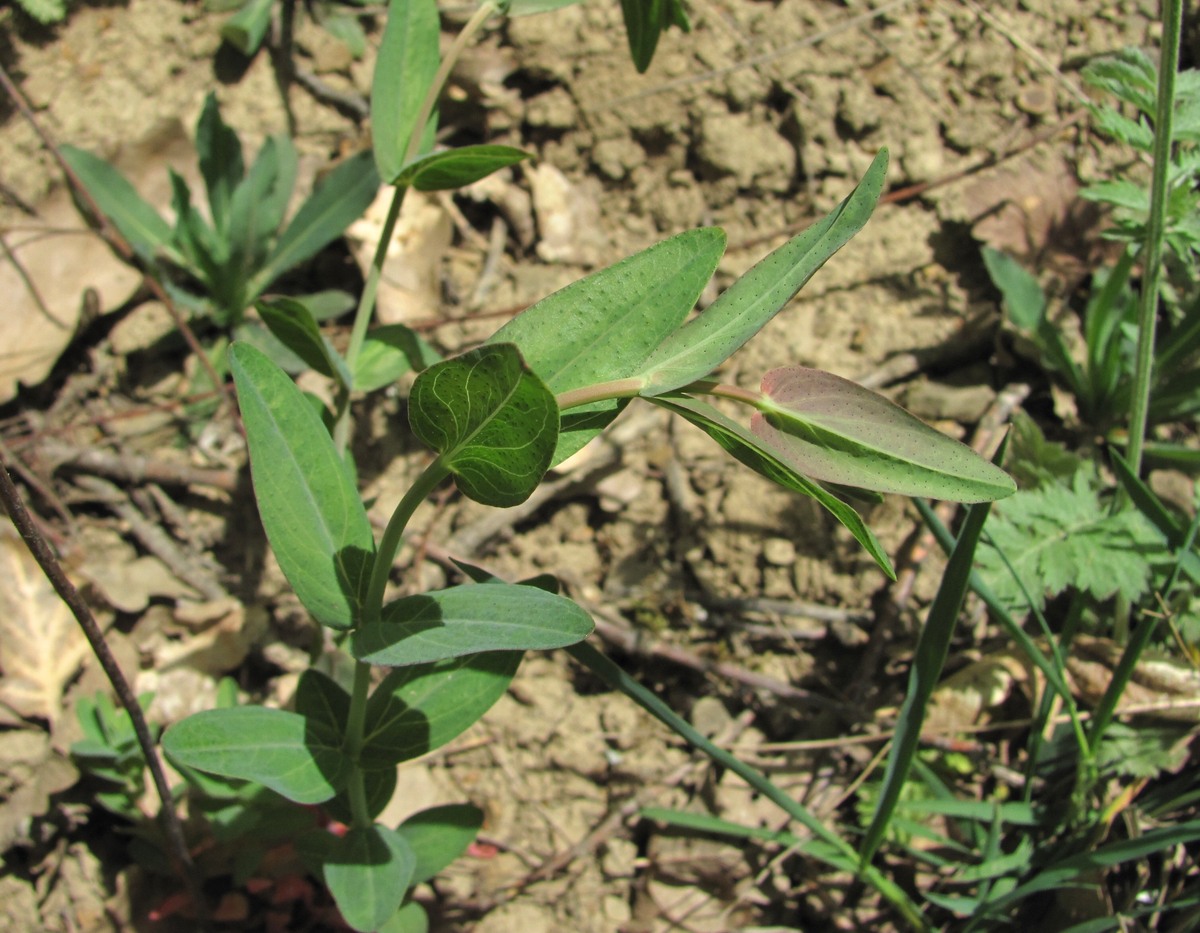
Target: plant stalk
{"points": [[172, 828], [355, 723], [1168, 65]]}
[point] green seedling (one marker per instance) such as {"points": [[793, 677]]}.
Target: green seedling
{"points": [[496, 419], [221, 264], [247, 28]]}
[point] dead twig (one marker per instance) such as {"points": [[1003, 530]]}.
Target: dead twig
{"points": [[132, 468], [172, 828]]}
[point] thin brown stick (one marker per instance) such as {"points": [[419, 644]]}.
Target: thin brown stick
{"points": [[109, 231], [172, 828]]}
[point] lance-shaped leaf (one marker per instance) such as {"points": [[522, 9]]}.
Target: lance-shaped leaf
{"points": [[388, 353], [702, 344], [310, 509], [423, 706], [831, 429], [368, 872], [470, 619], [773, 464], [222, 165], [457, 168], [145, 229], [493, 421], [296, 327], [405, 69], [300, 758], [336, 203], [603, 327]]}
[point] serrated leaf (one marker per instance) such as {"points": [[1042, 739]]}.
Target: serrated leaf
{"points": [[368, 871], [1060, 536], [439, 835], [833, 430], [388, 353], [310, 509], [296, 327], [423, 706], [457, 168], [603, 327], [41, 644], [301, 759], [749, 450], [145, 229], [494, 423], [702, 344], [404, 71], [470, 619], [336, 203]]}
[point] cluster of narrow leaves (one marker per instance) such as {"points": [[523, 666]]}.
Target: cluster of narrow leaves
{"points": [[222, 267]]}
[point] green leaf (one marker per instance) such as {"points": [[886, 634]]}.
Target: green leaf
{"points": [[45, 11], [259, 203], [336, 203], [221, 164], [457, 168], [515, 8], [1061, 536], [388, 353], [411, 918], [368, 871], [423, 706], [404, 72], [439, 835], [831, 429], [348, 30], [702, 344], [749, 450], [247, 27], [603, 327], [379, 787], [138, 222], [644, 22], [1024, 300], [296, 327], [310, 509], [321, 699], [493, 421], [933, 647], [467, 620], [299, 758]]}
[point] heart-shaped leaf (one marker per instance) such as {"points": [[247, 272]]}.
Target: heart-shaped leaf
{"points": [[457, 168], [439, 835], [368, 871], [773, 464], [831, 429], [604, 326], [310, 509], [423, 706], [702, 344], [470, 619], [300, 758], [493, 421]]}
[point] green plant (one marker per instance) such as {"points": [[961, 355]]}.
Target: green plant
{"points": [[221, 265], [1101, 376], [498, 417], [45, 12]]}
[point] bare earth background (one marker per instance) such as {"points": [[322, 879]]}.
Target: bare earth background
{"points": [[758, 122]]}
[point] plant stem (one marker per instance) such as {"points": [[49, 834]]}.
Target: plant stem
{"points": [[389, 544], [354, 739], [629, 388], [1168, 64], [172, 829]]}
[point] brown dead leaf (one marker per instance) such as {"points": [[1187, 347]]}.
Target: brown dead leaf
{"points": [[41, 646], [967, 697], [32, 770], [47, 267], [1160, 688]]}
